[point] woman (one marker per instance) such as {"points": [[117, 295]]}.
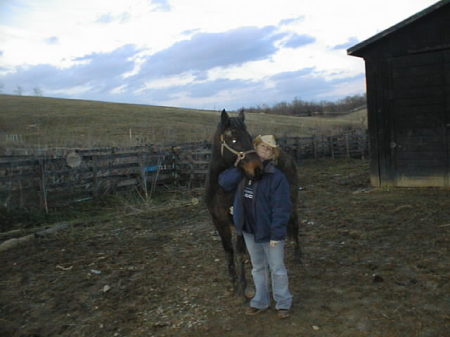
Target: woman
{"points": [[261, 211]]}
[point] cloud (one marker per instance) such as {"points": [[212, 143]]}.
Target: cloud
{"points": [[109, 18], [302, 84], [161, 5], [179, 74], [195, 91], [100, 72], [107, 65], [208, 50], [211, 88], [99, 76], [190, 31], [207, 95], [299, 40], [10, 10], [105, 18], [350, 42], [52, 40], [305, 84], [287, 22]]}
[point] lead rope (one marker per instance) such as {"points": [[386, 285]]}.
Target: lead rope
{"points": [[240, 155]]}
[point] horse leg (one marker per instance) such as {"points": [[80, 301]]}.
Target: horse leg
{"points": [[294, 234], [239, 249], [227, 243]]}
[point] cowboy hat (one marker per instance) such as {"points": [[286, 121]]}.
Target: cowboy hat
{"points": [[268, 140]]}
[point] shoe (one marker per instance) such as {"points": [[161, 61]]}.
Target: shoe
{"points": [[253, 311], [283, 313]]}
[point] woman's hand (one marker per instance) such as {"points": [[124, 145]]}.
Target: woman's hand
{"points": [[273, 243]]}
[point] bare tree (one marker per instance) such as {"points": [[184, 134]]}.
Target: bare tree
{"points": [[37, 91], [299, 107], [18, 91]]}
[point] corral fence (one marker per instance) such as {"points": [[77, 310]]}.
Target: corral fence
{"points": [[347, 145], [57, 177]]}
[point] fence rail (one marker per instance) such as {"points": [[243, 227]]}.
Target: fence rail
{"points": [[348, 145], [62, 176]]}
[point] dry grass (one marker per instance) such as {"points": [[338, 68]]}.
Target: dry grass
{"points": [[39, 121]]}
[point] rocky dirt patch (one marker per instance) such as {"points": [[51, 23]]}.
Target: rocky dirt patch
{"points": [[376, 263]]}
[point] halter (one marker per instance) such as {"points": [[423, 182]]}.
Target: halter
{"points": [[240, 155]]}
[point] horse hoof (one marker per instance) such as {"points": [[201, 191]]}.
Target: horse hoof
{"points": [[249, 293]]}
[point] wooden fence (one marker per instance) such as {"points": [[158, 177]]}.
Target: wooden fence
{"points": [[64, 176], [58, 177], [348, 145]]}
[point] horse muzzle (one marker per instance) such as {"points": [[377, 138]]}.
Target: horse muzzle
{"points": [[252, 166]]}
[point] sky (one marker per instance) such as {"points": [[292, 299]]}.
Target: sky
{"points": [[204, 54]]}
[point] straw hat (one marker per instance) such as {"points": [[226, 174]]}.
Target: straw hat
{"points": [[268, 140]]}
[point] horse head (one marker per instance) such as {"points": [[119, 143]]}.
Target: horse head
{"points": [[236, 145]]}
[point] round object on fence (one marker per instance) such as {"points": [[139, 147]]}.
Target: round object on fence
{"points": [[73, 159]]}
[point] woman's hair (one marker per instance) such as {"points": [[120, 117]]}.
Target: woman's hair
{"points": [[271, 141]]}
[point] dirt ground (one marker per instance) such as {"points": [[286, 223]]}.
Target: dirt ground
{"points": [[376, 263]]}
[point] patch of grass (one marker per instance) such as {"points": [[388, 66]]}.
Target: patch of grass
{"points": [[49, 122], [105, 207], [34, 217]]}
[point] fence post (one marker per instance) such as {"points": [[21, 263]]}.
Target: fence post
{"points": [[190, 157], [156, 176], [141, 158], [298, 149], [94, 178], [331, 145], [314, 147], [21, 197], [347, 146], [43, 183], [324, 147], [363, 143]]}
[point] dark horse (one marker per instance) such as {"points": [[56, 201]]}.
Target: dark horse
{"points": [[233, 146]]}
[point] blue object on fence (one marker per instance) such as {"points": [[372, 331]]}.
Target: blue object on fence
{"points": [[152, 168]]}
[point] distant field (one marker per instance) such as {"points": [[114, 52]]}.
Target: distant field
{"points": [[49, 122]]}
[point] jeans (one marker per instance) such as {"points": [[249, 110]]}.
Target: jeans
{"points": [[265, 258]]}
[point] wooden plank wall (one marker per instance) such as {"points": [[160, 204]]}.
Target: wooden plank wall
{"points": [[419, 98], [60, 177]]}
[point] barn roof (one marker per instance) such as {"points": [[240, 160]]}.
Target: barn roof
{"points": [[356, 49]]}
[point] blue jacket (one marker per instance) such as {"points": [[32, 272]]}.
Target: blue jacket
{"points": [[272, 202]]}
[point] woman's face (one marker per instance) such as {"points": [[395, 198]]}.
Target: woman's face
{"points": [[264, 151]]}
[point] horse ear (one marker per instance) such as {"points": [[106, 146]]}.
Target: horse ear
{"points": [[242, 115], [224, 119]]}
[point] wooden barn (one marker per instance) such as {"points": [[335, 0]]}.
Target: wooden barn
{"points": [[408, 97]]}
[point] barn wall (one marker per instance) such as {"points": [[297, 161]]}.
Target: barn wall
{"points": [[420, 113], [373, 127], [408, 93], [409, 120], [380, 123]]}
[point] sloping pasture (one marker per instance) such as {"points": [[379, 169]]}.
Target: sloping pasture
{"points": [[49, 122]]}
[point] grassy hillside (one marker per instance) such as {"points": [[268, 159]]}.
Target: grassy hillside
{"points": [[40, 121]]}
